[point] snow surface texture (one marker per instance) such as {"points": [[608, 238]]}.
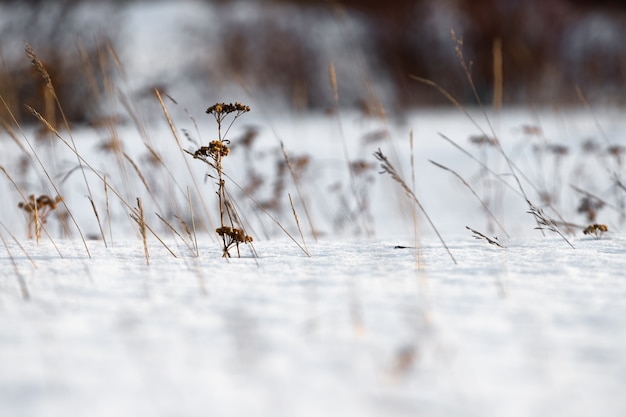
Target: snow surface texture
{"points": [[536, 329]]}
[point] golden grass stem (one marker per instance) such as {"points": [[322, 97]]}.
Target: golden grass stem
{"points": [[42, 70], [193, 223], [182, 151], [138, 216], [297, 185], [295, 215]]}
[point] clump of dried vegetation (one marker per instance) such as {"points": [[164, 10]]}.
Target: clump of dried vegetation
{"points": [[128, 173]]}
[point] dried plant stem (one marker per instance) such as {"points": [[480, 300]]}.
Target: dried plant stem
{"points": [[388, 168], [295, 215], [297, 185], [108, 207], [346, 154], [546, 223], [183, 151], [50, 87], [6, 229], [414, 208], [493, 217], [95, 211], [267, 213], [193, 223], [479, 235], [138, 216], [173, 229]]}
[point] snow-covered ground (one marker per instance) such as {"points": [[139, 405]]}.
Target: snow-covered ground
{"points": [[359, 327], [536, 329]]}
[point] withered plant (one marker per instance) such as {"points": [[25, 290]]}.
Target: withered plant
{"points": [[230, 231], [596, 229], [38, 210]]}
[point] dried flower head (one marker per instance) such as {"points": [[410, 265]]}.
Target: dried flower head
{"points": [[224, 109], [595, 229], [38, 210]]}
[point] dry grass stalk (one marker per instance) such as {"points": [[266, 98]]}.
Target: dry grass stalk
{"points": [[95, 211], [493, 217], [6, 229], [108, 208], [546, 223], [414, 208], [139, 218], [193, 225], [186, 161], [353, 188], [388, 168], [297, 185], [295, 215], [477, 235], [50, 87]]}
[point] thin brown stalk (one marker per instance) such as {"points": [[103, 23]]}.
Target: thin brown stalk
{"points": [[295, 215], [414, 208], [41, 69], [173, 229], [193, 223], [108, 208], [493, 217], [478, 235], [267, 213], [95, 211], [297, 185], [138, 216], [388, 168], [183, 151], [32, 261], [346, 154], [546, 223], [138, 171]]}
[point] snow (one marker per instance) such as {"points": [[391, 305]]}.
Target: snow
{"points": [[363, 326], [356, 329]]}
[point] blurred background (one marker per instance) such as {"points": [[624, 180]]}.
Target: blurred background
{"points": [[280, 51]]}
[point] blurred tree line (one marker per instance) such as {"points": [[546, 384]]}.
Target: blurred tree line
{"points": [[548, 47]]}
